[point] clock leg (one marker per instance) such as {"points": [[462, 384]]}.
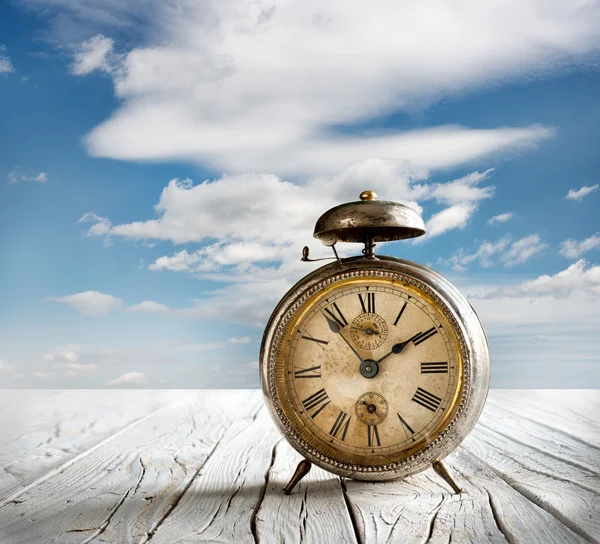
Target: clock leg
{"points": [[302, 470], [442, 470]]}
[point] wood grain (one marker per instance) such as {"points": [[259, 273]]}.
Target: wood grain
{"points": [[209, 466], [575, 413], [124, 488], [314, 512], [43, 428]]}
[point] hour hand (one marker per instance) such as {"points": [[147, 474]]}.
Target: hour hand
{"points": [[397, 348]]}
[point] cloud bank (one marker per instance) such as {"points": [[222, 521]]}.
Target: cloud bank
{"points": [[281, 86]]}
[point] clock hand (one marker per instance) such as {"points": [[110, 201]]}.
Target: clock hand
{"points": [[397, 348], [336, 329], [368, 330]]}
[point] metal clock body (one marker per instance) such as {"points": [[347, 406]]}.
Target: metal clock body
{"points": [[473, 351], [373, 367]]}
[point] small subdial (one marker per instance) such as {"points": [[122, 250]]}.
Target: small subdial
{"points": [[371, 408], [369, 331]]}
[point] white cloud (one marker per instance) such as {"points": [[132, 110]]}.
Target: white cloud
{"points": [[90, 302], [130, 378], [15, 176], [64, 362], [523, 249], [255, 225], [539, 328], [464, 189], [484, 254], [573, 249], [94, 54], [214, 73], [454, 217], [148, 307], [5, 62], [68, 353], [501, 218], [580, 194], [42, 177], [237, 302], [541, 337], [462, 194], [8, 370], [239, 340], [510, 254], [100, 226], [577, 277], [133, 138], [255, 217]]}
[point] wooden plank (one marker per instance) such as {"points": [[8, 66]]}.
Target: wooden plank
{"points": [[569, 494], [314, 512], [222, 504], [534, 459], [574, 413], [123, 489], [544, 439], [422, 509], [40, 429]]}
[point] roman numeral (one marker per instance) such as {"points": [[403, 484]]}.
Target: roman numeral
{"points": [[434, 368], [405, 424], [373, 436], [312, 372], [400, 313], [426, 399], [341, 425], [317, 400], [320, 343], [367, 303], [422, 336], [336, 314]]}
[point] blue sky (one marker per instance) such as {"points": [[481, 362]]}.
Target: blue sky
{"points": [[161, 169]]}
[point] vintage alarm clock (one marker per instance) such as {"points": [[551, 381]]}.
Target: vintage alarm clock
{"points": [[372, 367]]}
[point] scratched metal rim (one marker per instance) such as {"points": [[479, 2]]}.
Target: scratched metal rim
{"points": [[472, 342]]}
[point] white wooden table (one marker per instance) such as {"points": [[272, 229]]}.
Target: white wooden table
{"points": [[209, 466]]}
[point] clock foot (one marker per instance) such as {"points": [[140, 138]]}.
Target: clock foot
{"points": [[302, 470], [442, 471]]}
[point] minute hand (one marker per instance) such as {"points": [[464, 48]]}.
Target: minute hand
{"points": [[335, 328], [397, 348]]}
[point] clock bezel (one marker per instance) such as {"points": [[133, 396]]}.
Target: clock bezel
{"points": [[473, 350]]}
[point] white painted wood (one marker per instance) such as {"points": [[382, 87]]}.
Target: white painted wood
{"points": [[220, 506], [424, 509], [42, 428], [569, 494], [314, 512], [576, 413], [550, 441], [124, 487], [209, 466]]}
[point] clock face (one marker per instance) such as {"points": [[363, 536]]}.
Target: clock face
{"points": [[369, 371]]}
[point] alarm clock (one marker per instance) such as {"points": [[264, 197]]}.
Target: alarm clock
{"points": [[373, 367]]}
